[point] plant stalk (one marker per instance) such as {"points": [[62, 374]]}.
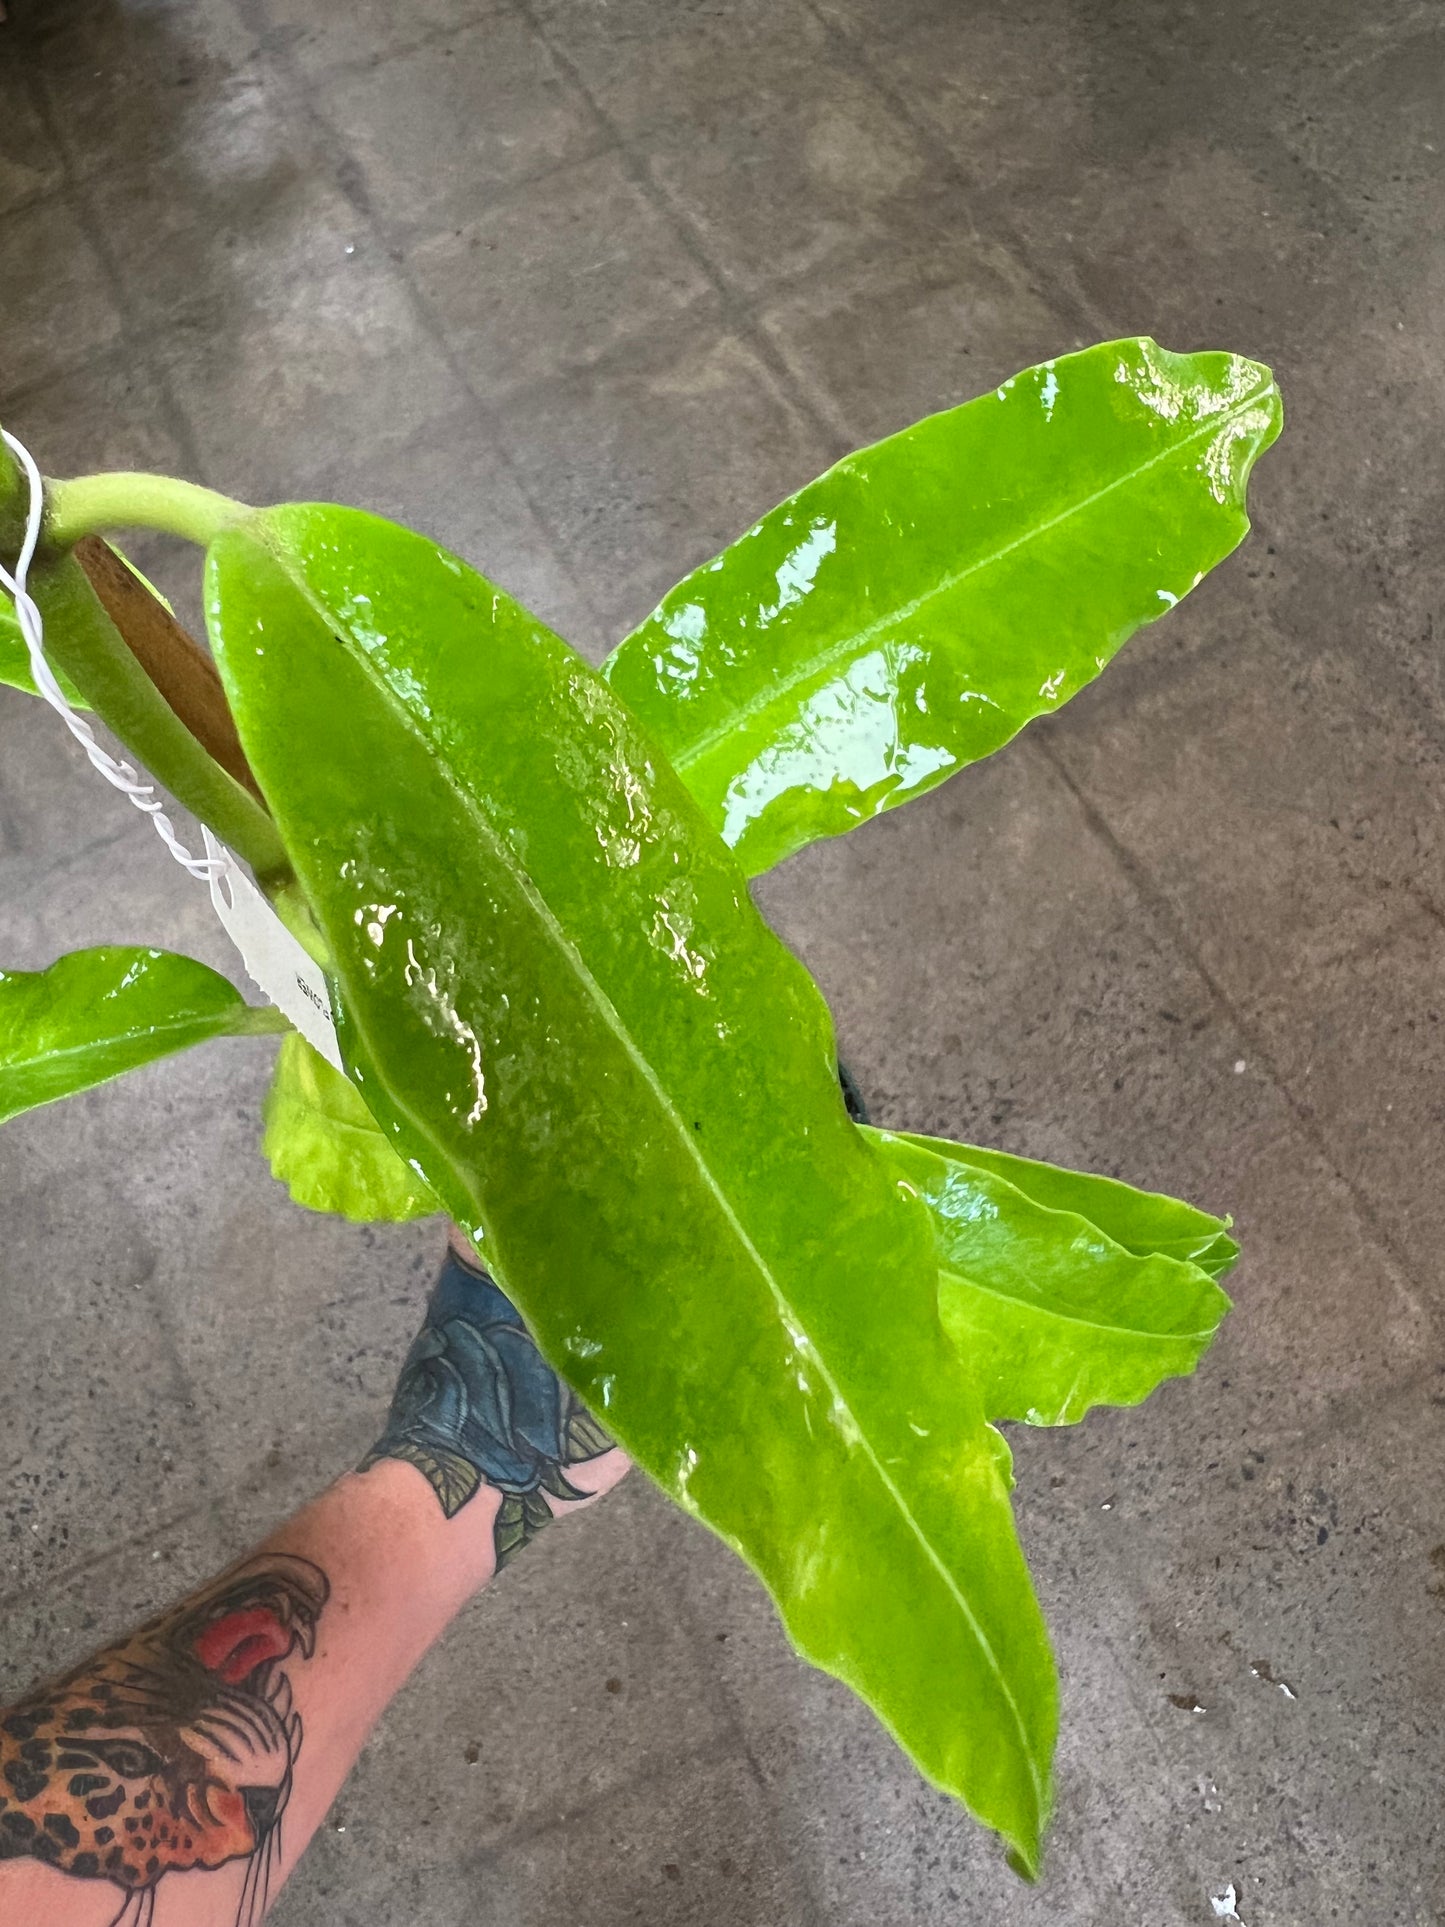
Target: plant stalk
{"points": [[82, 640], [93, 503], [177, 665]]}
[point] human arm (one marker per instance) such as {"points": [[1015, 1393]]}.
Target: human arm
{"points": [[208, 1745]]}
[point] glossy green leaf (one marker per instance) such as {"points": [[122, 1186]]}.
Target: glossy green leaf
{"points": [[15, 659], [96, 1013], [323, 1145], [1140, 1221], [913, 608], [1052, 1316], [558, 999]]}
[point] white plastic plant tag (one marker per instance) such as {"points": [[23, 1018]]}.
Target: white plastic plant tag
{"points": [[275, 962]]}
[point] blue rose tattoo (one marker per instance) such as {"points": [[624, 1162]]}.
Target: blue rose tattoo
{"points": [[477, 1404]]}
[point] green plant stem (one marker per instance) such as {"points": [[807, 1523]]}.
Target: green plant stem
{"points": [[94, 503], [81, 639]]}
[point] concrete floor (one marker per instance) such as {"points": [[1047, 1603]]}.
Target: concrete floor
{"points": [[581, 286]]}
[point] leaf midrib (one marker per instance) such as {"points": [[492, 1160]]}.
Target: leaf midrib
{"points": [[613, 1020], [18, 1067], [969, 1283], [857, 640], [972, 1158]]}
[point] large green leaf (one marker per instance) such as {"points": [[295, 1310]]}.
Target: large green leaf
{"points": [[1140, 1221], [323, 1145], [15, 670], [96, 1013], [913, 608], [1052, 1316], [1026, 1345], [558, 999]]}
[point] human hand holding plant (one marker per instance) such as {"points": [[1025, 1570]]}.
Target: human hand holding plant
{"points": [[563, 1021]]}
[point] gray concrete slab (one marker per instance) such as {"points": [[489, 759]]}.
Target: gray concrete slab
{"points": [[670, 448], [783, 184], [45, 248], [592, 265], [30, 165], [524, 116], [648, 67], [333, 359], [582, 287]]}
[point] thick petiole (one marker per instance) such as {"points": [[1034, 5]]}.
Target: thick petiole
{"points": [[94, 503]]}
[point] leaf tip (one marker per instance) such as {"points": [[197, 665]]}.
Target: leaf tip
{"points": [[1026, 1865]]}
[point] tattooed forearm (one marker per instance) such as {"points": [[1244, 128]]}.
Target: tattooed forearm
{"points": [[177, 1748], [173, 1748], [478, 1404]]}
